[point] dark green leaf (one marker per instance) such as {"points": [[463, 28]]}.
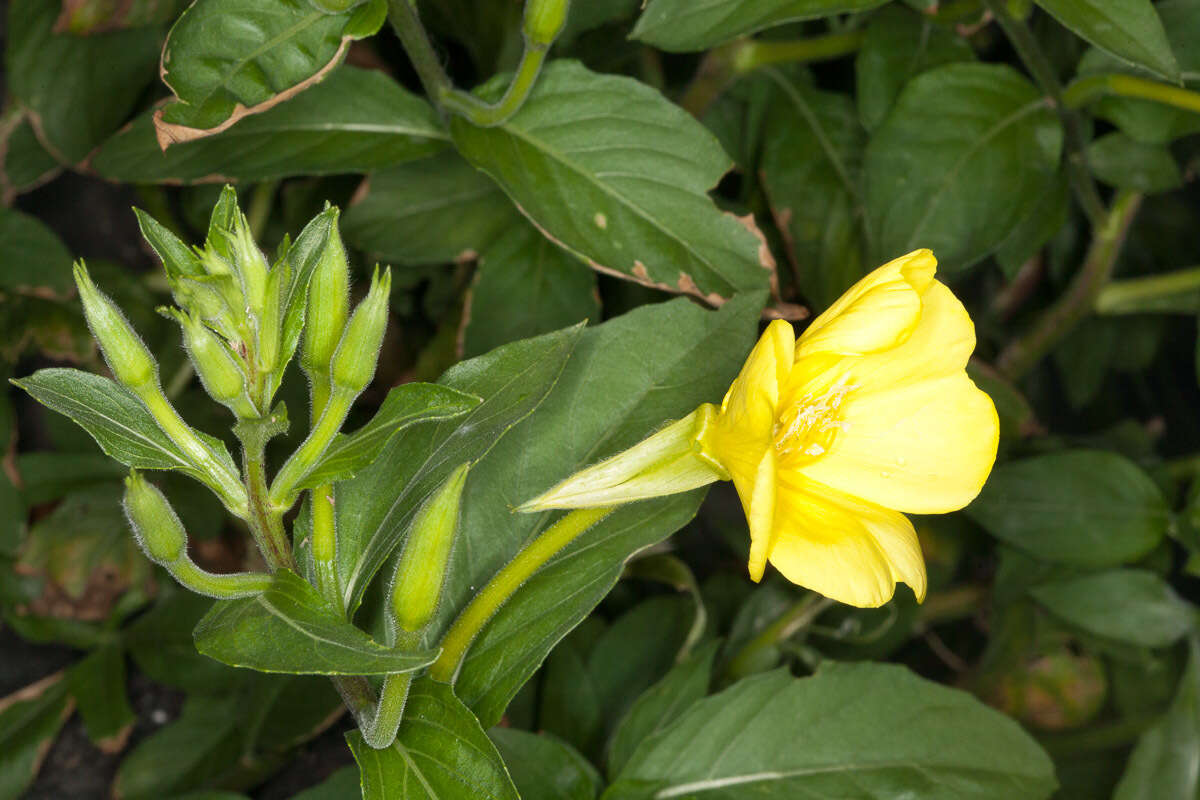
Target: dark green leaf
{"points": [[1129, 29], [160, 643], [525, 286], [406, 405], [98, 685], [661, 705], [440, 753], [1126, 605], [116, 419], [899, 45], [684, 25], [341, 785], [290, 628], [1044, 221], [76, 90], [25, 162], [1087, 508], [569, 703], [429, 211], [1126, 163], [27, 728], [35, 261], [862, 730], [354, 121], [960, 161], [636, 170], [615, 390], [544, 768]]}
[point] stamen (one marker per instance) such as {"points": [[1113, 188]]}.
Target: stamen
{"points": [[808, 427]]}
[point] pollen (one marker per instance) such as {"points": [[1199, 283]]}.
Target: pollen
{"points": [[807, 428]]}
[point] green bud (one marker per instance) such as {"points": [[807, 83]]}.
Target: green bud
{"points": [[270, 320], [218, 370], [127, 357], [207, 301], [354, 360], [328, 306], [213, 262], [155, 523], [544, 20], [250, 264], [417, 587]]}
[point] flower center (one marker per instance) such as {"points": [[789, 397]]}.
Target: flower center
{"points": [[806, 428]]}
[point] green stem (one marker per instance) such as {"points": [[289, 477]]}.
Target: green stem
{"points": [[1109, 736], [324, 530], [487, 115], [799, 616], [1087, 90], [224, 587], [415, 40], [1031, 54], [505, 583], [951, 604], [1174, 291], [283, 488], [1056, 322], [381, 731], [266, 523]]}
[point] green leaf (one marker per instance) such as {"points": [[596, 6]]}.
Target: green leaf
{"points": [[35, 260], [25, 163], [1127, 605], [88, 17], [354, 121], [1126, 163], [544, 768], [615, 390], [661, 705], [853, 730], [76, 90], [375, 508], [685, 25], [291, 628], [429, 211], [899, 45], [440, 753], [525, 286], [341, 785], [116, 419], [1129, 29], [1081, 507], [161, 645], [812, 155], [962, 158], [637, 170], [27, 728], [98, 685], [405, 405], [1045, 220], [1163, 764], [228, 59]]}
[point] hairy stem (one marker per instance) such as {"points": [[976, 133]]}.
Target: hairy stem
{"points": [[415, 40], [489, 115]]}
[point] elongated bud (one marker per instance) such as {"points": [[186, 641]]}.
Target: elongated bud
{"points": [[544, 20], [250, 264], [328, 306], [155, 523], [667, 462], [417, 588], [127, 357], [209, 303], [353, 363], [218, 370], [270, 319]]}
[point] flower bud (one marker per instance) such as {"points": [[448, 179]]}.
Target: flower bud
{"points": [[328, 306], [417, 587], [270, 318], [155, 524], [127, 357], [219, 372], [353, 363], [208, 303], [667, 462], [544, 20], [250, 264]]}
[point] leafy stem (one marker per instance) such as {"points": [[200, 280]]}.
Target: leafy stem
{"points": [[796, 618], [487, 115], [266, 522]]}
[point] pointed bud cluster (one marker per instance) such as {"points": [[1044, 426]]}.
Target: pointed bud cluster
{"points": [[249, 263], [328, 307], [218, 369], [417, 588], [666, 462], [155, 523], [126, 354], [353, 363], [544, 20]]}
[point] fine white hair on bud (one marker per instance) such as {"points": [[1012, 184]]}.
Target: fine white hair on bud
{"points": [[126, 354], [354, 360]]}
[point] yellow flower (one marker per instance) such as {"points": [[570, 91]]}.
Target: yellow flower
{"points": [[869, 414]]}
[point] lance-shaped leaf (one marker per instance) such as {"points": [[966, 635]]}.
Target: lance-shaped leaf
{"points": [[28, 726], [227, 59], [35, 260], [544, 767], [117, 420], [1129, 29], [614, 172], [354, 121], [405, 405], [860, 730], [440, 753], [1126, 605], [291, 628], [685, 25]]}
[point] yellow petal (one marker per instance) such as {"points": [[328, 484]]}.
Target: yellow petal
{"points": [[923, 447], [877, 313], [844, 548], [758, 501]]}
